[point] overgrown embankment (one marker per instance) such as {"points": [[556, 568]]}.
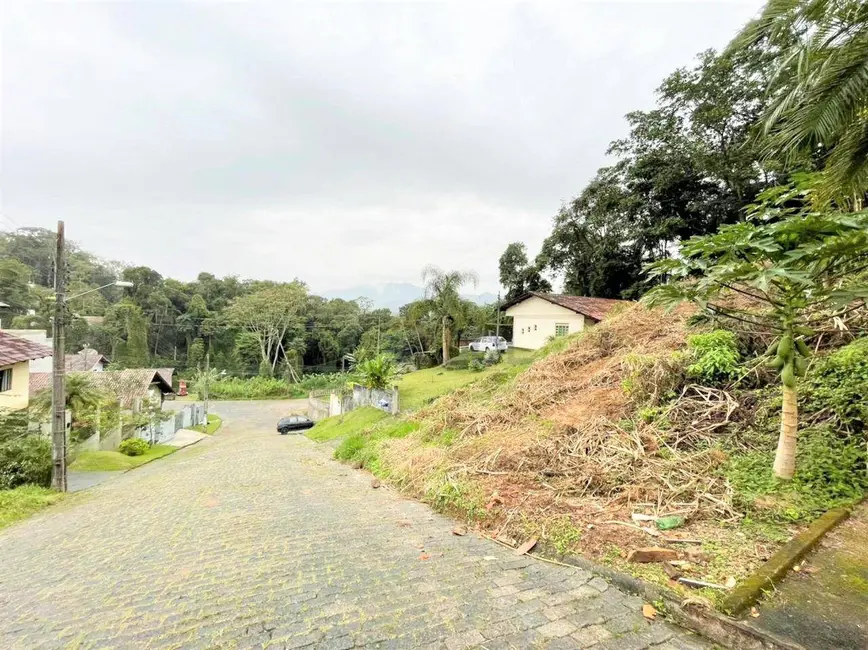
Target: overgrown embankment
{"points": [[645, 414]]}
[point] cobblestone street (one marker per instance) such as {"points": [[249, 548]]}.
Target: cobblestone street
{"points": [[252, 540]]}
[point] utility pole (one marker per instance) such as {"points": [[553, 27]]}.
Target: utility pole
{"points": [[207, 378], [58, 392], [498, 315]]}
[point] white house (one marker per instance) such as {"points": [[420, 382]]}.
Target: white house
{"points": [[536, 317]]}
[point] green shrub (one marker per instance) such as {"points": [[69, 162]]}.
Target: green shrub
{"points": [[134, 447], [25, 460], [491, 357], [350, 447], [840, 384], [476, 365], [715, 356], [378, 372], [463, 361], [830, 471], [236, 388]]}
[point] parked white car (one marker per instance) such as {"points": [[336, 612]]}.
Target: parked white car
{"points": [[489, 343]]}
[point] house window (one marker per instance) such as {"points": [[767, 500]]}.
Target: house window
{"points": [[534, 328], [5, 380], [522, 330], [562, 329]]}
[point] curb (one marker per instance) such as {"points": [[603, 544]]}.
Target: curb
{"points": [[705, 622], [770, 573]]}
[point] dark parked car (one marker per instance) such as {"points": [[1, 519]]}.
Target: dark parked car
{"points": [[293, 423]]}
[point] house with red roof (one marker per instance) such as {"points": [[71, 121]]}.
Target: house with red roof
{"points": [[538, 317], [15, 357]]}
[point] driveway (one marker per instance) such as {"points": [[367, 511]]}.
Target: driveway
{"points": [[251, 540]]}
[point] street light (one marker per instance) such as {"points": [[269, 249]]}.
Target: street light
{"points": [[58, 391], [116, 283]]}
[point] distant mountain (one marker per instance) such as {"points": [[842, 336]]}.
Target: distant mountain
{"points": [[394, 295]]}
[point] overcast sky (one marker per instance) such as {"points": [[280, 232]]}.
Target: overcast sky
{"points": [[341, 143]]}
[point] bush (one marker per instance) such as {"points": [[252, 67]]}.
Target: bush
{"points": [[830, 471], [134, 447], [476, 365], [25, 460], [253, 388], [378, 372], [715, 356], [463, 361], [840, 384]]}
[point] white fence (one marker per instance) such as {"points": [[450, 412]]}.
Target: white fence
{"points": [[161, 432], [325, 403]]}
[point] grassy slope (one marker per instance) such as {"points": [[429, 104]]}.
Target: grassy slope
{"points": [[111, 461], [214, 423], [432, 454], [339, 426], [419, 388], [24, 501]]}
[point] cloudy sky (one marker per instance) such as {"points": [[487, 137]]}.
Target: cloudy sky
{"points": [[342, 143]]}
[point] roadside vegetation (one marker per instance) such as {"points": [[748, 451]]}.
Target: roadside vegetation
{"points": [[210, 427], [115, 461], [647, 413], [24, 501], [339, 426]]}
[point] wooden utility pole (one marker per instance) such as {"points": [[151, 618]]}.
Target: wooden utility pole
{"points": [[58, 392], [205, 387]]}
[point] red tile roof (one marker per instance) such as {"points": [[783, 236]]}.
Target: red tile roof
{"points": [[595, 308], [128, 386], [84, 360], [15, 350], [39, 381]]}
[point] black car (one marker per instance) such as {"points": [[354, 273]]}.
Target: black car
{"points": [[293, 423]]}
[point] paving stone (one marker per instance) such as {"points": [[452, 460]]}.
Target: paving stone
{"points": [[591, 635], [556, 629], [467, 639], [253, 540]]}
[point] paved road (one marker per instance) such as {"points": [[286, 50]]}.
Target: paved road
{"points": [[253, 540]]}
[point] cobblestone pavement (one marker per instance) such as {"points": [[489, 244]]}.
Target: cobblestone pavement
{"points": [[254, 540]]}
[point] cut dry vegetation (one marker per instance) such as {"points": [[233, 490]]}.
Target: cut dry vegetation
{"points": [[114, 461], [627, 418]]}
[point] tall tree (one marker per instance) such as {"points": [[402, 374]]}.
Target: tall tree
{"points": [[517, 275], [273, 315], [819, 86], [442, 291]]}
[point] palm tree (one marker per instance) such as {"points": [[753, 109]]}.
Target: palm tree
{"points": [[821, 86], [81, 394], [441, 291]]}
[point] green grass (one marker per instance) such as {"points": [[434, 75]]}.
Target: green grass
{"points": [[23, 501], [339, 426], [416, 389], [114, 461], [214, 423]]}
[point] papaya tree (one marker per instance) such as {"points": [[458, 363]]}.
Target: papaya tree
{"points": [[791, 268]]}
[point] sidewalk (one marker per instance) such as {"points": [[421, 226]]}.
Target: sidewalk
{"points": [[824, 605]]}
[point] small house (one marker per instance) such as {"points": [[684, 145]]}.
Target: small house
{"points": [[537, 317], [15, 357]]}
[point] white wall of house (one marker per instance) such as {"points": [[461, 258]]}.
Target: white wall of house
{"points": [[534, 320], [37, 336], [18, 395]]}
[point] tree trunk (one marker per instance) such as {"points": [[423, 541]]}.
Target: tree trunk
{"points": [[446, 339], [785, 457]]}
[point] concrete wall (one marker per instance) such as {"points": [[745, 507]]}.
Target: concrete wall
{"points": [[19, 395], [37, 336], [535, 319]]}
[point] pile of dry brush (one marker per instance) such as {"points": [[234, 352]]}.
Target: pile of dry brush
{"points": [[598, 451]]}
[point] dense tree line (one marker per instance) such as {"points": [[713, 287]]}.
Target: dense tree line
{"points": [[245, 327], [789, 95]]}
